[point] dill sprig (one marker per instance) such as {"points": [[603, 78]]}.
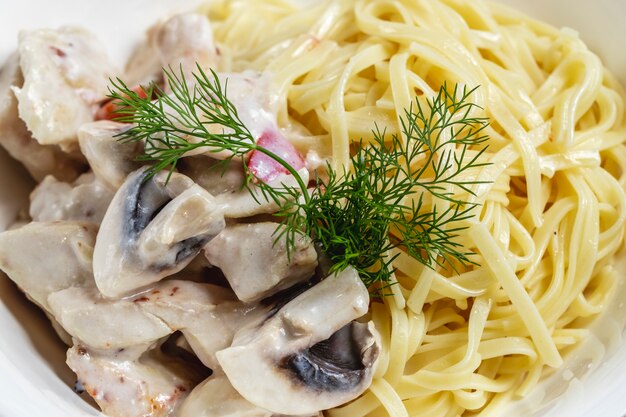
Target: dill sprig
{"points": [[193, 116], [398, 192], [384, 199]]}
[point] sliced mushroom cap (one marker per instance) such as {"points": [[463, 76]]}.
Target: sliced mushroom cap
{"points": [[206, 314], [126, 387], [216, 397], [105, 324], [39, 160], [42, 258], [110, 159], [86, 199], [255, 264], [152, 229], [309, 356], [65, 72]]}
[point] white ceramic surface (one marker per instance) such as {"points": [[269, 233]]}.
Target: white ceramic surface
{"points": [[34, 381]]}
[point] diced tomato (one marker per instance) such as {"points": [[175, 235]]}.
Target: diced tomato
{"points": [[263, 166], [108, 108]]}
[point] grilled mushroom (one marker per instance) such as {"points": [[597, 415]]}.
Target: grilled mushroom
{"points": [[310, 355], [152, 229], [255, 265]]}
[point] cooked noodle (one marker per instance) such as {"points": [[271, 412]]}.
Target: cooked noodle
{"points": [[552, 207]]}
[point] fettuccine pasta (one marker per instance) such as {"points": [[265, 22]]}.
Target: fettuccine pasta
{"points": [[551, 202]]}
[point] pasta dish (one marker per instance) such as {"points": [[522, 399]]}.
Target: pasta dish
{"points": [[359, 208]]}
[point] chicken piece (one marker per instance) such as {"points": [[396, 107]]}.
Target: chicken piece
{"points": [[43, 258], [110, 159], [86, 199], [124, 386], [179, 42], [207, 173], [252, 95], [104, 324], [255, 264], [39, 160], [66, 72], [206, 315], [246, 203]]}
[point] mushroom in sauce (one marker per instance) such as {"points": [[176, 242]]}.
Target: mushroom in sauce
{"points": [[310, 355], [216, 397], [152, 229]]}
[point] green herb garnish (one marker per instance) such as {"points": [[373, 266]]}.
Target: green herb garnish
{"points": [[382, 201]]}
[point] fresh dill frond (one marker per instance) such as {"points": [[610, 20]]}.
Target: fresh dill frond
{"points": [[384, 200], [398, 192]]}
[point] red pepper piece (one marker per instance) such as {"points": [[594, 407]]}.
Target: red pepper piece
{"points": [[263, 166], [108, 107]]}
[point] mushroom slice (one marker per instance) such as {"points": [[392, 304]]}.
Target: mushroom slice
{"points": [[205, 314], [105, 324], [110, 159], [255, 264], [216, 397], [39, 160], [42, 258], [152, 229], [309, 356], [86, 199], [65, 72], [124, 386]]}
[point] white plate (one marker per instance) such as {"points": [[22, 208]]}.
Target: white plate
{"points": [[33, 377]]}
